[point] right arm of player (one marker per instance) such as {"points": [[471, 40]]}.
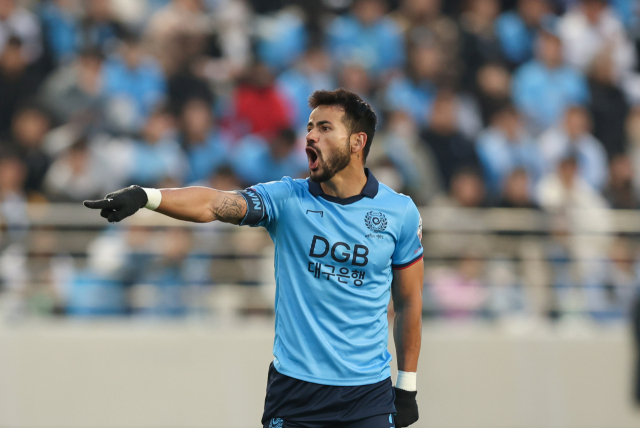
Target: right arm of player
{"points": [[202, 205], [196, 204]]}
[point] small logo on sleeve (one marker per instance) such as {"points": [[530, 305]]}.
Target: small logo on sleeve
{"points": [[375, 221]]}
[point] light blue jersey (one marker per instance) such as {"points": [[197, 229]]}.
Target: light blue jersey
{"points": [[334, 261]]}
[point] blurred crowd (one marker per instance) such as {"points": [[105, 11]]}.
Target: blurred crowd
{"points": [[481, 103]]}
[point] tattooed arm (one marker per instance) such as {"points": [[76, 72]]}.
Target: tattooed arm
{"points": [[202, 205]]}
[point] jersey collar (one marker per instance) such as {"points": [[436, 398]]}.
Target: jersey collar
{"points": [[370, 190]]}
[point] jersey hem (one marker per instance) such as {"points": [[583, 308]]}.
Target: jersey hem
{"points": [[335, 382], [408, 264]]}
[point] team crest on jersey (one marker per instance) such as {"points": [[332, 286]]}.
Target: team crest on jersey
{"points": [[276, 423], [375, 221]]}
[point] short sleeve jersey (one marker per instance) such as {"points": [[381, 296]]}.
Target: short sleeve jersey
{"points": [[334, 262]]}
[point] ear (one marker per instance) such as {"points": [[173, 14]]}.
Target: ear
{"points": [[358, 141]]}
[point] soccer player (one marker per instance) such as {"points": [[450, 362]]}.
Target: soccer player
{"points": [[344, 244]]}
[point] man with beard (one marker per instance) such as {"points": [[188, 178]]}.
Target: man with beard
{"points": [[344, 244]]}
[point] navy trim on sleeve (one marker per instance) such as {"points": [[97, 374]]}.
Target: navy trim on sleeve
{"points": [[256, 211], [406, 265]]}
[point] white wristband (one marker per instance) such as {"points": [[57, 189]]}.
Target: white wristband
{"points": [[154, 197], [406, 381]]}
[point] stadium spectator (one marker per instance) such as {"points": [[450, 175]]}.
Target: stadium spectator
{"points": [[207, 147], [566, 299], [61, 28], [460, 293], [158, 159], [99, 27], [517, 29], [14, 268], [566, 188], [114, 260], [367, 36], [452, 150], [467, 190], [507, 296], [493, 90], [19, 81], [620, 192], [480, 43], [355, 78], [415, 91], [613, 297], [505, 146], [13, 207], [257, 105], [29, 129], [93, 295], [632, 134], [162, 286], [400, 144], [517, 191], [257, 160], [580, 265], [188, 83], [224, 179], [608, 106], [282, 38], [77, 174], [178, 18], [422, 20], [310, 73], [590, 27], [233, 21], [545, 86], [387, 171], [18, 22], [134, 84], [574, 136], [73, 93]]}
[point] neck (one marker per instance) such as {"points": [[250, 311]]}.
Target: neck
{"points": [[348, 182]]}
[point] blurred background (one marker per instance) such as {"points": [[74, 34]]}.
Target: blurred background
{"points": [[514, 125]]}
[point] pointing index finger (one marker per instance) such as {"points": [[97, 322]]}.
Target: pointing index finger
{"points": [[101, 204]]}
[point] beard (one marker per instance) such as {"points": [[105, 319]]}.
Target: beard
{"points": [[329, 167]]}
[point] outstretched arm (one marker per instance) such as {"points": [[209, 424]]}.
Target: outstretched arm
{"points": [[202, 205], [196, 204]]}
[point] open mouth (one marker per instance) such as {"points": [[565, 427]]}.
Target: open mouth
{"points": [[312, 156]]}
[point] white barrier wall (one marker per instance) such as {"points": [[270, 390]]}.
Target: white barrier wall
{"points": [[136, 374]]}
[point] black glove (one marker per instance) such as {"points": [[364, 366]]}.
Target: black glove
{"points": [[121, 204], [406, 407]]}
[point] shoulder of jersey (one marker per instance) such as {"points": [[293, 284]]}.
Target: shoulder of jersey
{"points": [[303, 182], [384, 190]]}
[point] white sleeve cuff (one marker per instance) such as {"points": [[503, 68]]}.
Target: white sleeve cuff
{"points": [[406, 381], [154, 197]]}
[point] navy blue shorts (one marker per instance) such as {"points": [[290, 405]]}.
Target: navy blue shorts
{"points": [[295, 403]]}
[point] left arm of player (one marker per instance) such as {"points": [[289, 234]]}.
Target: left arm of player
{"points": [[406, 291]]}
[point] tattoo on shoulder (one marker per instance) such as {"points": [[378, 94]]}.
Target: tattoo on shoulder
{"points": [[230, 209]]}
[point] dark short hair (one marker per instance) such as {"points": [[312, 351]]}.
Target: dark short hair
{"points": [[358, 115]]}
